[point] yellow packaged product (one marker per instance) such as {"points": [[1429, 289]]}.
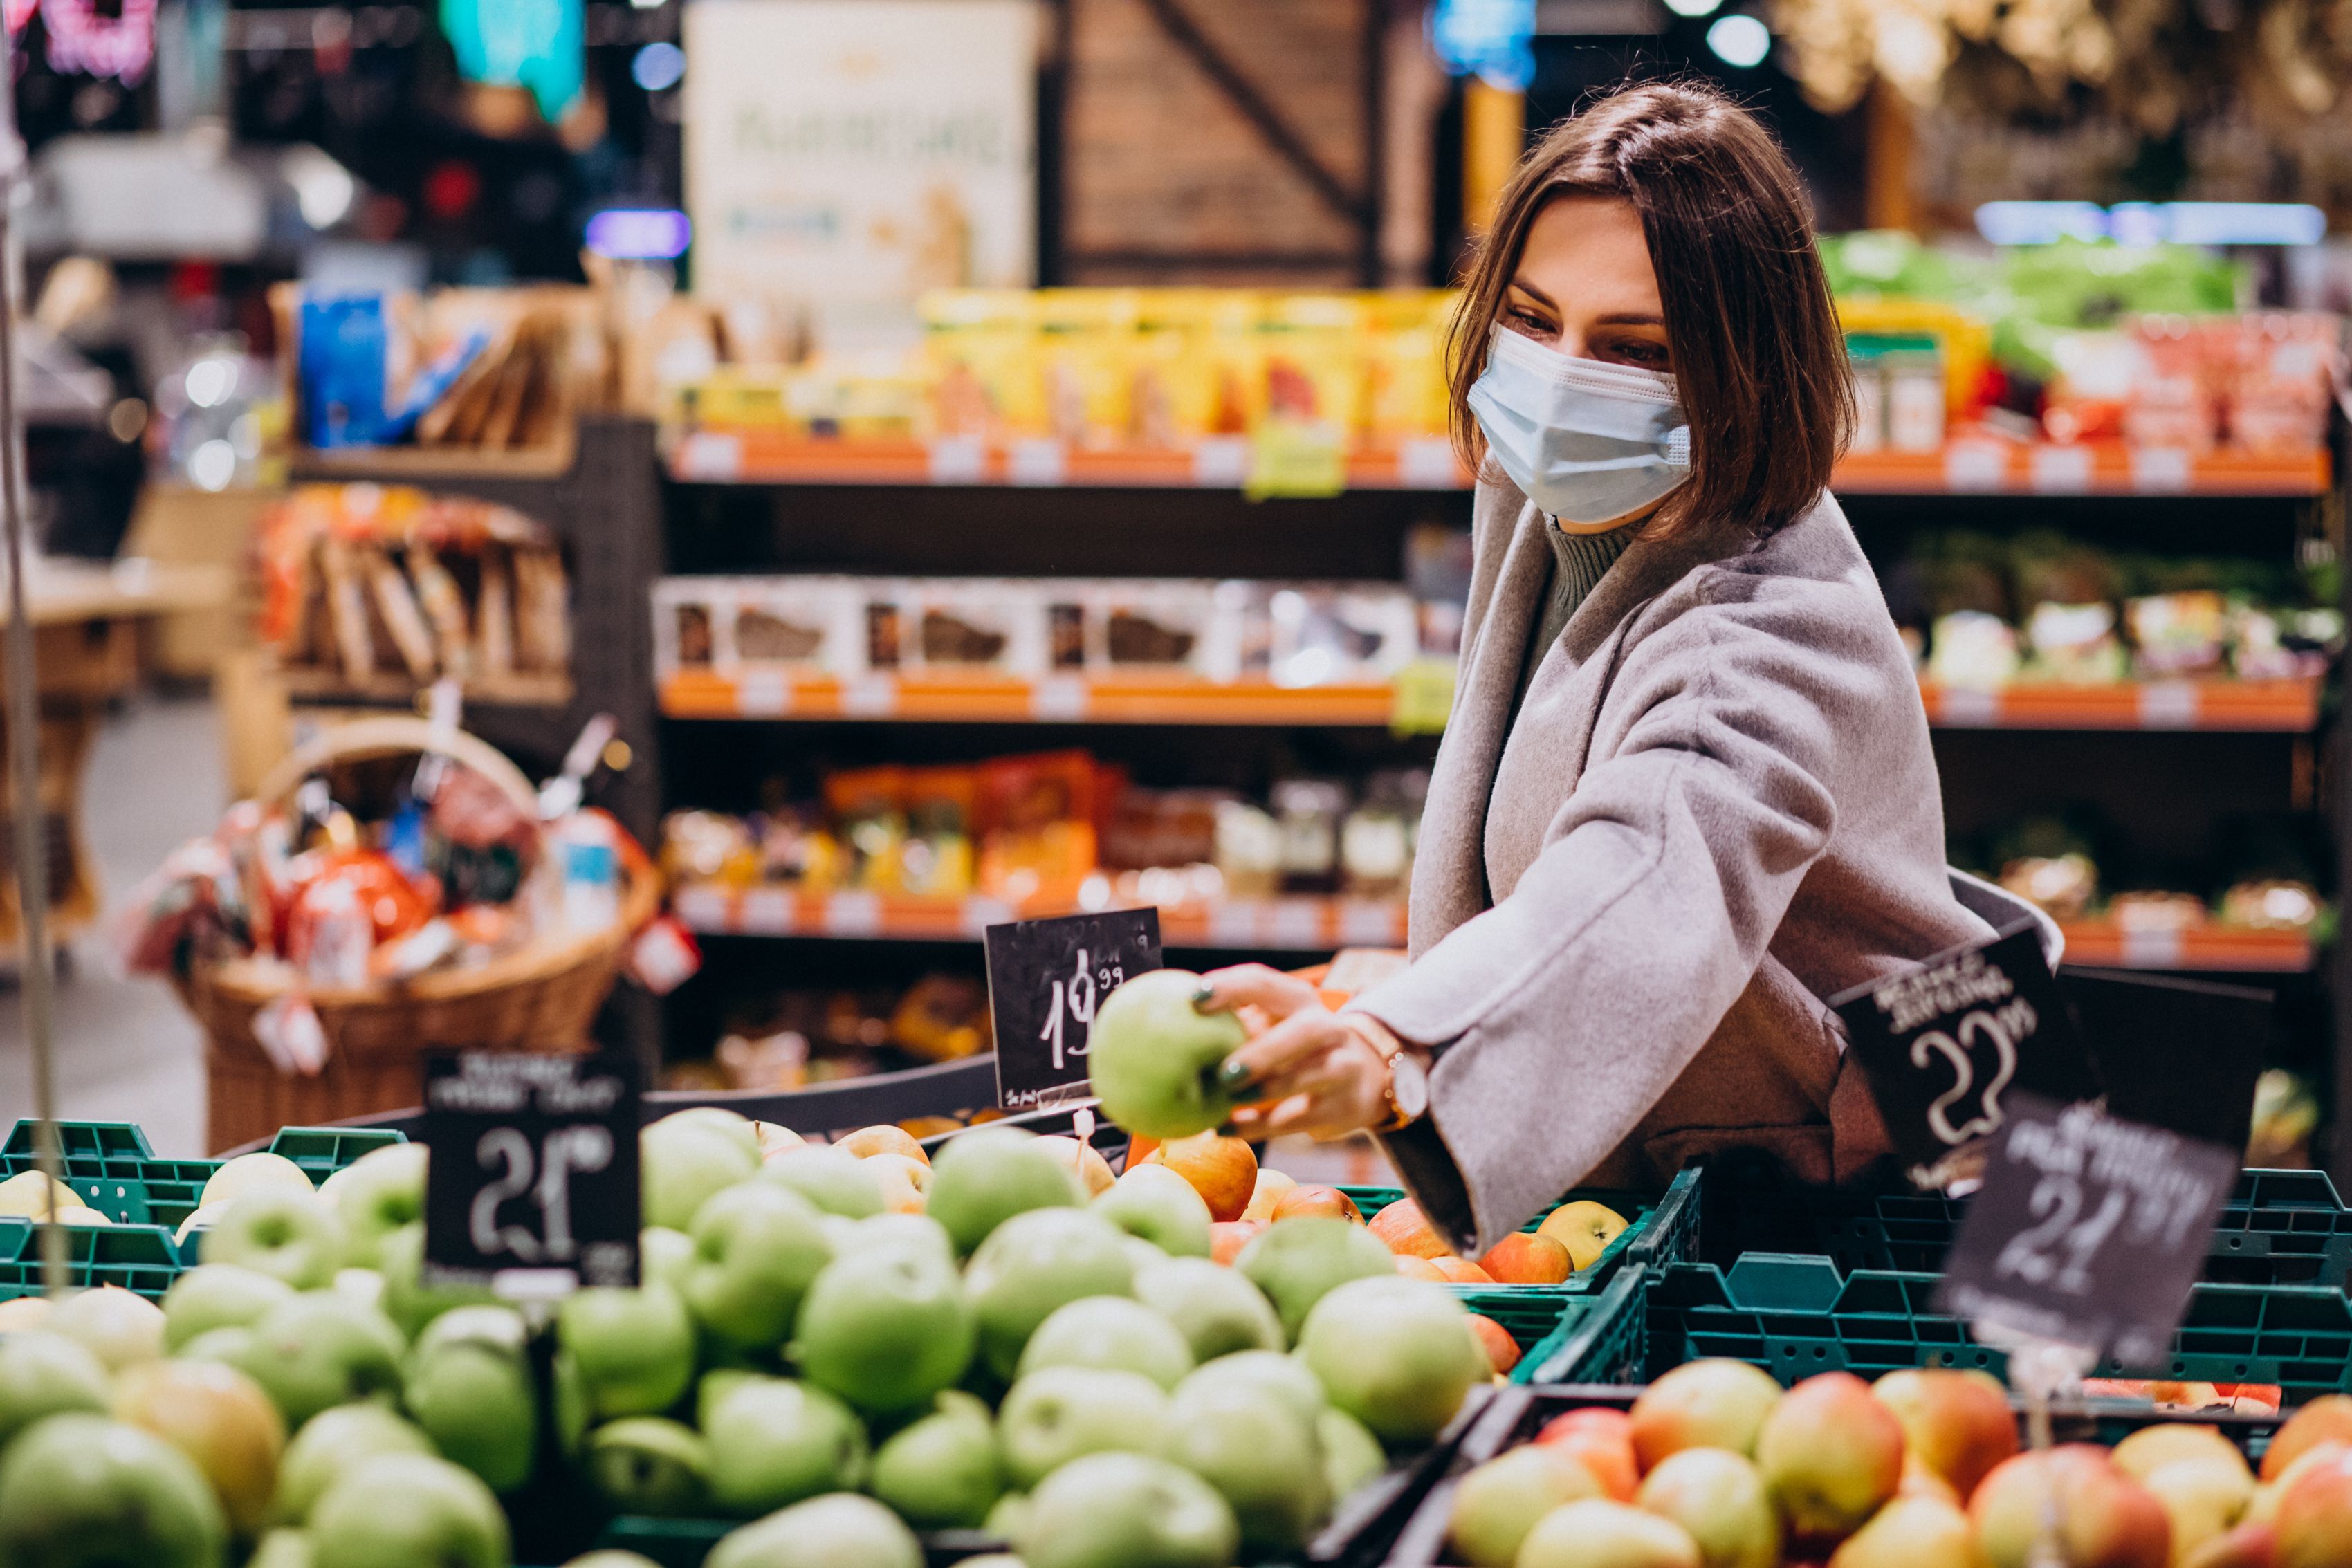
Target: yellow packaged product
{"points": [[738, 397], [1085, 362], [1404, 363], [1312, 370], [1178, 389], [981, 356]]}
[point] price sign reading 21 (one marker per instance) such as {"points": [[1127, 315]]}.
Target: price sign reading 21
{"points": [[532, 1185], [1045, 977]]}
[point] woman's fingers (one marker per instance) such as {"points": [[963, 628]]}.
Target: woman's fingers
{"points": [[1282, 1047], [1253, 985]]}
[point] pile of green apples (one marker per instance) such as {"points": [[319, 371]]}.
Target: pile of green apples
{"points": [[841, 1345]]}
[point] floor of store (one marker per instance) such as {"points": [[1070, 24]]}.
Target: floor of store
{"points": [[127, 1051]]}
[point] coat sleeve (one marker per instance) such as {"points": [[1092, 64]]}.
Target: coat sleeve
{"points": [[1567, 1008]]}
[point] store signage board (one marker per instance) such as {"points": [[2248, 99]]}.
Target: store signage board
{"points": [[2089, 1231], [850, 153], [533, 1184], [1045, 977], [1944, 1045], [2182, 1054]]}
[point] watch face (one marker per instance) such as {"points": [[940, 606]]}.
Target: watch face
{"points": [[1409, 1085]]}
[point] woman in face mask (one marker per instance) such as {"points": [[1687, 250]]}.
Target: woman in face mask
{"points": [[1686, 792]]}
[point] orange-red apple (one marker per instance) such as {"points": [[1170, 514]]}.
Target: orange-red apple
{"points": [[1301, 1202], [1228, 1237], [1520, 1259], [1712, 1404], [2106, 1520], [2326, 1419], [1601, 1440], [1833, 1454], [1502, 1350], [1958, 1423], [1414, 1268], [1406, 1231], [1462, 1271], [2247, 1546], [2314, 1517], [1223, 1171]]}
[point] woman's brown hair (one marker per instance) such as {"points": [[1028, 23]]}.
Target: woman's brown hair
{"points": [[1757, 353]]}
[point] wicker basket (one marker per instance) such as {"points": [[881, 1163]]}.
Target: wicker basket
{"points": [[542, 998]]}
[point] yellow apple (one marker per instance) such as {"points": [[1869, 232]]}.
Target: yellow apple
{"points": [[1585, 1228], [250, 1173], [904, 1182], [1271, 1185]]}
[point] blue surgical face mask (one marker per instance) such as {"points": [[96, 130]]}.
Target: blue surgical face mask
{"points": [[1587, 441]]}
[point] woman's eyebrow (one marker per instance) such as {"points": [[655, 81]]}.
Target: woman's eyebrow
{"points": [[1630, 318], [1532, 292]]}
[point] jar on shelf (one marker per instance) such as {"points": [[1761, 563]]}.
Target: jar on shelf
{"points": [[1307, 813]]}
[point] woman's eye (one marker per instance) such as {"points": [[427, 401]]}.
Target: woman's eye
{"points": [[1527, 321], [1638, 351]]}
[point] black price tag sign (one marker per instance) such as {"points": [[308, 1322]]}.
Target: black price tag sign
{"points": [[2089, 1230], [1044, 979], [1942, 1044], [532, 1185]]}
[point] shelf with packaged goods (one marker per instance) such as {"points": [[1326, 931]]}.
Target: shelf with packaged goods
{"points": [[2289, 706], [1970, 464], [1303, 923], [2104, 944]]}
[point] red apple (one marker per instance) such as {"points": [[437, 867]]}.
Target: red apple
{"points": [[2314, 1517], [1958, 1422], [1833, 1454], [1601, 1440], [2106, 1520], [1712, 1404], [2326, 1419], [1520, 1259], [1406, 1231], [1328, 1201], [1227, 1237], [1502, 1350], [1461, 1271], [1223, 1171]]}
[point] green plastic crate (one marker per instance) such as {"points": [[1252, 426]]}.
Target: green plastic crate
{"points": [[1655, 1226], [111, 1167], [2278, 1227], [1794, 1315], [139, 1258], [1599, 1338]]}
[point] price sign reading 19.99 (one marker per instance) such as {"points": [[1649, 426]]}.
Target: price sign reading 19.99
{"points": [[2089, 1230], [532, 1185], [1046, 978]]}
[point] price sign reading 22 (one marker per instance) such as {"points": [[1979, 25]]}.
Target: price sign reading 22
{"points": [[2002, 1030]]}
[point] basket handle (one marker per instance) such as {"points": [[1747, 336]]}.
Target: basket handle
{"points": [[390, 736]]}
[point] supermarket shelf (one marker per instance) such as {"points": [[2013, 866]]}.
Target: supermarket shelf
{"points": [[2286, 706], [1305, 924], [2221, 705], [2102, 943], [775, 694], [1968, 466], [521, 689]]}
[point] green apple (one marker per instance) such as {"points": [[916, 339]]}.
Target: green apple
{"points": [[1034, 1262], [1153, 1058], [1128, 1510], [1112, 1331], [682, 1162], [118, 1328], [1159, 1205], [834, 1180], [1051, 1416], [1285, 1376], [1265, 1460], [1397, 1354], [982, 1178], [839, 1531], [281, 1549], [720, 1119], [469, 1386], [774, 1441], [81, 1492], [329, 1445], [254, 1172], [940, 1471], [885, 1329], [914, 1232], [756, 1248], [648, 1464], [1008, 1516], [375, 1195], [400, 1510], [221, 1420], [294, 1236], [663, 1255], [633, 1351], [1295, 1262], [321, 1350], [218, 1295], [408, 1300], [1351, 1455], [1217, 1311], [43, 1374], [716, 1385], [362, 1285]]}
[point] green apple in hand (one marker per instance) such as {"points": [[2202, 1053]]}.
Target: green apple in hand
{"points": [[1217, 1310], [1035, 1262], [886, 1328], [402, 1510], [332, 1443], [834, 1180], [218, 1295], [469, 1386], [1110, 1332], [1397, 1354], [839, 1531], [295, 1235], [648, 1464], [1296, 1261], [940, 1471], [1252, 1444], [982, 1178], [633, 1351], [1153, 1058], [1053, 1416], [321, 1350], [83, 1491], [1159, 1206], [683, 1160], [44, 1375], [375, 1195], [1128, 1510], [774, 1441], [756, 1248]]}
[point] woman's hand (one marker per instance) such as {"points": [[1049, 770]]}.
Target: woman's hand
{"points": [[1310, 1070]]}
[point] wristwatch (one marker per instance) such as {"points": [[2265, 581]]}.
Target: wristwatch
{"points": [[1407, 1090]]}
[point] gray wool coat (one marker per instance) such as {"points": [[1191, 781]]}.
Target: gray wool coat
{"points": [[1717, 807]]}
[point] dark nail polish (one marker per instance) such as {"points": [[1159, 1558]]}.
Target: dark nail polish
{"points": [[1202, 995], [1233, 1074]]}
